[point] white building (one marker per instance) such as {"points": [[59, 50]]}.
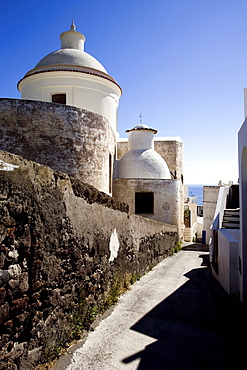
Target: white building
{"points": [[242, 159], [210, 197], [71, 104], [143, 180]]}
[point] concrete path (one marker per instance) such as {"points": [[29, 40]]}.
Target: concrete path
{"points": [[176, 317]]}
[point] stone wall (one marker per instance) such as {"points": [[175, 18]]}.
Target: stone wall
{"points": [[172, 151], [66, 252], [65, 138]]}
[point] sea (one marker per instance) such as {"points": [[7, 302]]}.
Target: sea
{"points": [[196, 191]]}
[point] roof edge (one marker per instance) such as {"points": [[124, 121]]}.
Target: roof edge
{"points": [[89, 71]]}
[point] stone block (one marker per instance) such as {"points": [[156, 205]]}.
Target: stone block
{"points": [[2, 295], [19, 305], [4, 312], [14, 270], [4, 277], [20, 283]]}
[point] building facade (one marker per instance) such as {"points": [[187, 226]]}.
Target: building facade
{"points": [[67, 119], [144, 181]]}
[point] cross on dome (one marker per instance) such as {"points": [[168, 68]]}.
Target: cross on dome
{"points": [[73, 27]]}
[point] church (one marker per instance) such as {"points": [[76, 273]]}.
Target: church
{"points": [[67, 119]]}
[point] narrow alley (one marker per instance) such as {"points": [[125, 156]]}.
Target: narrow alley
{"points": [[176, 317]]}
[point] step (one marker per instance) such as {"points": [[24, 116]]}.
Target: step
{"points": [[233, 218], [230, 225], [187, 234], [235, 212], [187, 238]]}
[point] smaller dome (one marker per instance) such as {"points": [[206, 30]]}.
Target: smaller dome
{"points": [[143, 164], [142, 126]]}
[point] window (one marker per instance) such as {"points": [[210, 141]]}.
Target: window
{"points": [[59, 98], [144, 202]]}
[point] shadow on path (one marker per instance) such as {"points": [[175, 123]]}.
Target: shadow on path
{"points": [[198, 327]]}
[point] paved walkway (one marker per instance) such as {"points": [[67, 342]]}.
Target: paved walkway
{"points": [[176, 317]]}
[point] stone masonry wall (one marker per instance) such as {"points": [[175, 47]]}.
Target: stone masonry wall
{"points": [[65, 138], [66, 252]]}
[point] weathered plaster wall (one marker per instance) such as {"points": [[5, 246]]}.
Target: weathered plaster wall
{"points": [[210, 197], [228, 260], [242, 164], [167, 196], [65, 250], [65, 138]]}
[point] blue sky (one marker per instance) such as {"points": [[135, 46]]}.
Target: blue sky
{"points": [[181, 63]]}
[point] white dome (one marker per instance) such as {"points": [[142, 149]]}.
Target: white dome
{"points": [[75, 75], [70, 57], [144, 164], [142, 126]]}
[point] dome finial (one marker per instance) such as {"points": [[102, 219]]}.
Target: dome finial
{"points": [[140, 116], [73, 27]]}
